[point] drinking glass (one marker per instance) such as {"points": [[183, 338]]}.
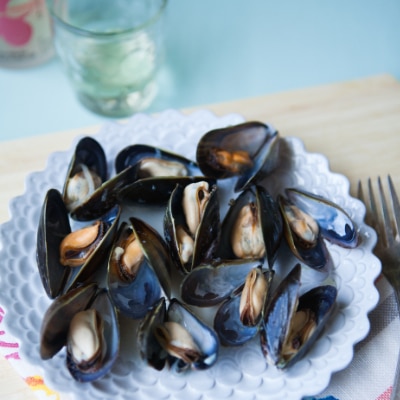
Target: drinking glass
{"points": [[111, 50]]}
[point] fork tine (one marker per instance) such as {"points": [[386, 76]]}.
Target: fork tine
{"points": [[368, 206], [387, 224], [373, 216], [360, 195], [395, 205]]}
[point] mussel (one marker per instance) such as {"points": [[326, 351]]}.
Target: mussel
{"points": [[85, 322], [241, 287], [174, 336], [210, 284], [157, 172], [88, 191], [335, 223], [155, 191], [249, 151], [238, 318], [252, 227], [303, 236], [192, 223], [151, 161], [86, 172], [292, 322], [66, 258], [308, 220], [139, 268]]}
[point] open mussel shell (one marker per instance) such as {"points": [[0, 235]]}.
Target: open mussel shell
{"points": [[176, 221], [138, 269], [87, 170], [149, 347], [155, 191], [96, 262], [303, 236], [56, 331], [210, 284], [90, 153], [88, 193], [292, 322], [104, 197], [252, 227], [248, 150], [150, 161], [56, 320], [231, 324], [157, 172], [335, 223], [53, 228], [199, 342]]}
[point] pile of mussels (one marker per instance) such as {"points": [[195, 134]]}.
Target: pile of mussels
{"points": [[114, 266]]}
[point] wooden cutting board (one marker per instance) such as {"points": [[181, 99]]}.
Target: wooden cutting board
{"points": [[355, 124]]}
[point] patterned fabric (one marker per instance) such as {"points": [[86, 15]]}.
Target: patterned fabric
{"points": [[368, 377]]}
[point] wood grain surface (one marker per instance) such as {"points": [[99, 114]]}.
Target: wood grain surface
{"points": [[355, 124]]}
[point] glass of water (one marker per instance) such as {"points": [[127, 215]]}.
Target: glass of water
{"points": [[112, 51]]}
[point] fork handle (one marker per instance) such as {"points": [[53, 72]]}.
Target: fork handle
{"points": [[396, 383]]}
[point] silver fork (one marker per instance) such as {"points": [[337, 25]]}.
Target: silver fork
{"points": [[384, 217]]}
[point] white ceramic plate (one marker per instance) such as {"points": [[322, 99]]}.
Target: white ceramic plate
{"points": [[240, 372]]}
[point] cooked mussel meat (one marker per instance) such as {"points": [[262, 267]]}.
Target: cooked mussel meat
{"points": [[247, 236], [253, 297], [177, 342], [191, 223], [86, 343], [139, 268], [249, 151], [85, 322], [77, 246], [252, 227], [59, 248], [81, 186], [153, 166], [174, 336], [292, 322]]}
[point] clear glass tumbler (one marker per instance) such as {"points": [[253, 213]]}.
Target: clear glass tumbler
{"points": [[111, 50]]}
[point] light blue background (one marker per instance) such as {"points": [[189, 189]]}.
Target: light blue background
{"points": [[220, 50]]}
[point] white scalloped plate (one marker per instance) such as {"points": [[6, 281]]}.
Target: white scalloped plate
{"points": [[239, 373]]}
